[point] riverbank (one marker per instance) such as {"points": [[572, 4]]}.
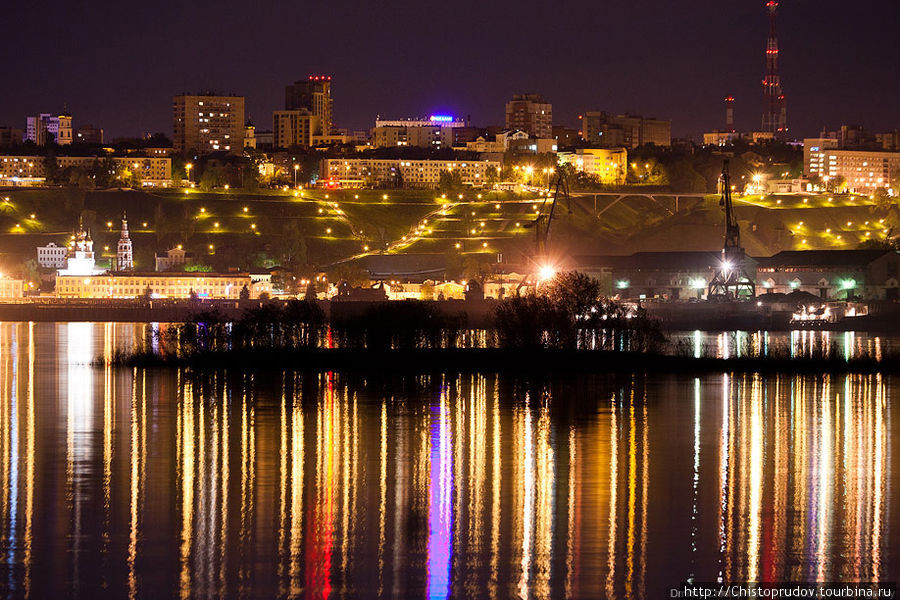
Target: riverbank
{"points": [[498, 360]]}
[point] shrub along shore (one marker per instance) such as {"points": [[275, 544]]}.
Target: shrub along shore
{"points": [[566, 327]]}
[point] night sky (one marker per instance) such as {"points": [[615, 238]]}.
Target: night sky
{"points": [[117, 63]]}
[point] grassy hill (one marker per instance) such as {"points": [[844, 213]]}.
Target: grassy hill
{"points": [[237, 229]]}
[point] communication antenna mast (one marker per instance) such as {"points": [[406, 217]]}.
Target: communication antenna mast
{"points": [[775, 112]]}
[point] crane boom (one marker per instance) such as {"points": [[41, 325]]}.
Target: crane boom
{"points": [[731, 279]]}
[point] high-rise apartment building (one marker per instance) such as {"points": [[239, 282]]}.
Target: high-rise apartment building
{"points": [[208, 123], [294, 128], [47, 127], [530, 113], [313, 95], [609, 131]]}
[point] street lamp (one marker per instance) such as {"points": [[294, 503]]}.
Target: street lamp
{"points": [[296, 168], [188, 168]]}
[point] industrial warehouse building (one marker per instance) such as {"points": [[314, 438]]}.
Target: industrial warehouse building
{"points": [[833, 274], [830, 274]]}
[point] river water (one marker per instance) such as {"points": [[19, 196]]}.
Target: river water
{"points": [[130, 483]]}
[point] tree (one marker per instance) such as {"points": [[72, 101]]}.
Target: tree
{"points": [[209, 179], [837, 185], [882, 199], [147, 293], [491, 176], [51, 168], [450, 182], [245, 293], [476, 268], [574, 292]]}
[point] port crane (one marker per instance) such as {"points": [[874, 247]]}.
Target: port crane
{"points": [[542, 264], [731, 280]]}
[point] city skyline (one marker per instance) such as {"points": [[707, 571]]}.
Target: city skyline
{"points": [[384, 63]]}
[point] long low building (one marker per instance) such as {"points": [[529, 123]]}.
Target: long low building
{"points": [[424, 174], [662, 275], [829, 274], [126, 284], [832, 274], [153, 171]]}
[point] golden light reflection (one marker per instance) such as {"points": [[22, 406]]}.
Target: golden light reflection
{"points": [[445, 484]]}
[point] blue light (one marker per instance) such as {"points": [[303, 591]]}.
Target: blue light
{"points": [[442, 118]]}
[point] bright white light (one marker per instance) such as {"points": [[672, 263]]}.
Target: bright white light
{"points": [[546, 272]]}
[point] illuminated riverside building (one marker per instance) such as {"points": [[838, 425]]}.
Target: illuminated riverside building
{"points": [[122, 284], [424, 174], [208, 123], [11, 288]]}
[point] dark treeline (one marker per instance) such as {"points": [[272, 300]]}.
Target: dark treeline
{"points": [[568, 313]]}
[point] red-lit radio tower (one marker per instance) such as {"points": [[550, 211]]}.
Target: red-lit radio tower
{"points": [[775, 113]]}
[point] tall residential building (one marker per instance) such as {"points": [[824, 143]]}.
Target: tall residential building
{"points": [[294, 128], [208, 123], [608, 131], [313, 95], [48, 127], [124, 254], [530, 113]]}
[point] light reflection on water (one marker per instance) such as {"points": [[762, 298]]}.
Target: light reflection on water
{"points": [[158, 483], [784, 344]]}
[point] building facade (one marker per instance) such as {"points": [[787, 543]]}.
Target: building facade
{"points": [[531, 113], [173, 259], [313, 95], [424, 174], [608, 165], [607, 130], [832, 274], [434, 132], [863, 171], [52, 256], [294, 128], [48, 127], [159, 285], [11, 288], [208, 123]]}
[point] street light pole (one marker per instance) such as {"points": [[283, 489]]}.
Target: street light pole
{"points": [[296, 168]]}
